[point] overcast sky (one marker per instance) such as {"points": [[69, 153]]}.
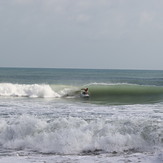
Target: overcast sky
{"points": [[111, 34]]}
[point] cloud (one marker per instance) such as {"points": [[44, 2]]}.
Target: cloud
{"points": [[81, 18], [102, 19], [146, 17], [23, 2], [79, 27]]}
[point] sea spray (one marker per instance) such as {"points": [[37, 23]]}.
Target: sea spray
{"points": [[76, 135], [25, 90]]}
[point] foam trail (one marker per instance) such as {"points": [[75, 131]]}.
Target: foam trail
{"points": [[25, 90]]}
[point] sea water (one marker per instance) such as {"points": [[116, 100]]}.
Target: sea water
{"points": [[44, 119]]}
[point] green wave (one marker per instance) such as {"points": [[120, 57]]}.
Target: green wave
{"points": [[103, 93], [125, 93]]}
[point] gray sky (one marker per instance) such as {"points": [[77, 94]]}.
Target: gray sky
{"points": [[116, 34]]}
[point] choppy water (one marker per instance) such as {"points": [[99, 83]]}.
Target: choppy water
{"points": [[43, 117]]}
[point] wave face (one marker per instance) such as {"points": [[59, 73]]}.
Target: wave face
{"points": [[125, 93]]}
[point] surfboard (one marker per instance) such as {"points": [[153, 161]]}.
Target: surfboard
{"points": [[83, 95]]}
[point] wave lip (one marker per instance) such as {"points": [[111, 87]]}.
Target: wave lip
{"points": [[25, 90]]}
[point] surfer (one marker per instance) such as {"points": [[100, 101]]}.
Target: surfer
{"points": [[85, 90]]}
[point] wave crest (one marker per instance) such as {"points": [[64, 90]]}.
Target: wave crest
{"points": [[25, 90]]}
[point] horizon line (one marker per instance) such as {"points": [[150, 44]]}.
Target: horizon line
{"points": [[83, 68]]}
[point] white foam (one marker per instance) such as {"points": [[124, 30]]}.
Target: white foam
{"points": [[133, 158], [107, 84], [25, 90], [76, 135]]}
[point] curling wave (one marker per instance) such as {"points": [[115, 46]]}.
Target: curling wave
{"points": [[125, 93], [114, 93]]}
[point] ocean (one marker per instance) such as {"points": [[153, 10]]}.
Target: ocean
{"points": [[43, 118]]}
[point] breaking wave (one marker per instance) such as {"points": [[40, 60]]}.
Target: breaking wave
{"points": [[76, 135], [24, 90], [112, 93], [37, 90]]}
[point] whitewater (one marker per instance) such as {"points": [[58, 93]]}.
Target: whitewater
{"points": [[44, 119]]}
